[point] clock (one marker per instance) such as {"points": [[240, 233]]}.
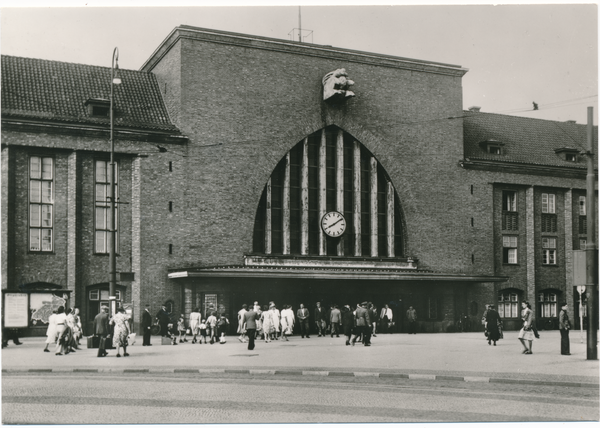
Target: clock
{"points": [[333, 224]]}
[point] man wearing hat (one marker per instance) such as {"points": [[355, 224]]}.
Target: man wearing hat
{"points": [[147, 326], [363, 324]]}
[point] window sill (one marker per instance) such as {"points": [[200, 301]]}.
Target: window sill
{"points": [[42, 252], [549, 265], [511, 264]]}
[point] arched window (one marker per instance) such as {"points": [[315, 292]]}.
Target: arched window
{"points": [[547, 301], [329, 171], [508, 304]]}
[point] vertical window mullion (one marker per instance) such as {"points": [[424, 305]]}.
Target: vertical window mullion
{"points": [[41, 200]]}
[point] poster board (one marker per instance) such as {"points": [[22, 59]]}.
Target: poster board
{"points": [[16, 310]]}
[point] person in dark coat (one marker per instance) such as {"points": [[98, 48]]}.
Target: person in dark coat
{"points": [[564, 326], [164, 318], [363, 324], [347, 322], [147, 326], [102, 329], [493, 325]]}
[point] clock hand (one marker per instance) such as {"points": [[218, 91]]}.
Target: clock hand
{"points": [[331, 225]]}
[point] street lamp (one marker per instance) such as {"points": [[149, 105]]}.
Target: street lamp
{"points": [[112, 254]]}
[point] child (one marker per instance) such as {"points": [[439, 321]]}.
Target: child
{"points": [[181, 329], [211, 326], [222, 327], [202, 332], [171, 333]]}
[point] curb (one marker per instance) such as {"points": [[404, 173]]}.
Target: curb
{"points": [[410, 376]]}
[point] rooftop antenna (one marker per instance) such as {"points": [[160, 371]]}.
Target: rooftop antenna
{"points": [[302, 34]]}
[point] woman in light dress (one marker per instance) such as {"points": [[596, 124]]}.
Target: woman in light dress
{"points": [[287, 321], [526, 333], [276, 320], [267, 323], [195, 319], [121, 322], [240, 330], [51, 331]]}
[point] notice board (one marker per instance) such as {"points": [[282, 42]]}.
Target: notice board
{"points": [[16, 310]]}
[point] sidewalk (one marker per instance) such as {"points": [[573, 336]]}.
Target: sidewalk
{"points": [[449, 356]]}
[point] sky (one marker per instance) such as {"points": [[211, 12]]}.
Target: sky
{"points": [[516, 54]]}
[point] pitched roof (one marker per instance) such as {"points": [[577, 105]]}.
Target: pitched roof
{"points": [[57, 91], [525, 140]]}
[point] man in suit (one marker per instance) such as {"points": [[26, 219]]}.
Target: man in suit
{"points": [[249, 326], [319, 319], [147, 326], [363, 324], [302, 316], [101, 329], [411, 316]]}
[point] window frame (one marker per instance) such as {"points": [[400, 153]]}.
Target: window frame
{"points": [[582, 206], [549, 203], [40, 204], [512, 302], [548, 302], [549, 245], [100, 206], [510, 249]]}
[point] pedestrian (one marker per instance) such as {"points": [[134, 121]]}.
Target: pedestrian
{"points": [[147, 326], [102, 330], [164, 318], [347, 323], [564, 326], [203, 332], [51, 331], [302, 316], [328, 320], [363, 324], [375, 320], [61, 327], [319, 315], [120, 321], [240, 330], [526, 333], [267, 323], [493, 325], [181, 329], [195, 319], [69, 335], [387, 316], [211, 326], [335, 319], [222, 327], [411, 316], [249, 325], [78, 329], [287, 322], [276, 320]]}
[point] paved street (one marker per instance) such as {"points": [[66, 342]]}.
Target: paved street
{"points": [[233, 398], [418, 378]]}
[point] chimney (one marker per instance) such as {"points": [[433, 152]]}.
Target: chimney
{"points": [[475, 109]]}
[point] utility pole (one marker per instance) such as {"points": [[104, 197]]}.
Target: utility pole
{"points": [[299, 24], [591, 246]]}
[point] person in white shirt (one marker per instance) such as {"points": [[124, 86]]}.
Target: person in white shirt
{"points": [[387, 317], [51, 331], [61, 327]]}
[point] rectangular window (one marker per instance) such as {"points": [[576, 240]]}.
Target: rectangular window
{"points": [[549, 223], [582, 205], [582, 243], [102, 219], [509, 253], [510, 217], [549, 251], [508, 305], [41, 203], [94, 295], [432, 308], [548, 203]]}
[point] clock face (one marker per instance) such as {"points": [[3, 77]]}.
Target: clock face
{"points": [[333, 224]]}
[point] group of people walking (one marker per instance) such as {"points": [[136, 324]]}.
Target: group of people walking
{"points": [[64, 331]]}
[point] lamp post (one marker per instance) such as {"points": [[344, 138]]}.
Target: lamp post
{"points": [[112, 254]]}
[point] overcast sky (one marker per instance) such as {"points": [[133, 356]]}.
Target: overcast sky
{"points": [[516, 54]]}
